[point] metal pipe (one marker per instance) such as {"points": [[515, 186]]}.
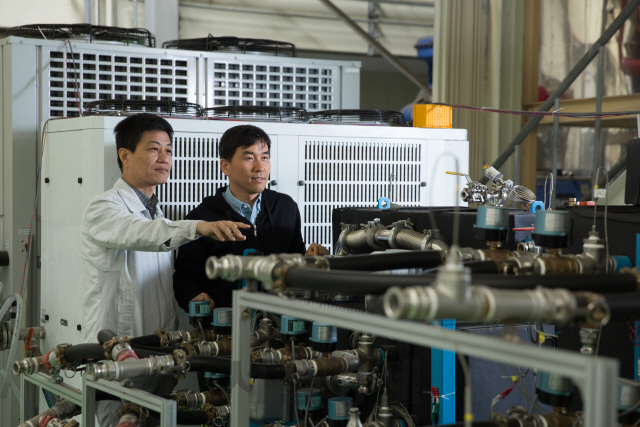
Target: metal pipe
{"points": [[554, 157], [135, 13], [114, 12], [631, 7], [87, 11], [296, 15], [599, 84], [381, 49]]}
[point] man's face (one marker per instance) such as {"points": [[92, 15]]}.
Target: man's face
{"points": [[248, 171], [151, 163]]}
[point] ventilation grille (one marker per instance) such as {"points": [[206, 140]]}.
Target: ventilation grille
{"points": [[269, 114], [163, 108], [83, 76], [361, 117], [264, 85], [235, 45], [341, 173], [195, 175], [87, 32]]}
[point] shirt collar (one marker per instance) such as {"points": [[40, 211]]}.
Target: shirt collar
{"points": [[149, 202], [242, 208]]}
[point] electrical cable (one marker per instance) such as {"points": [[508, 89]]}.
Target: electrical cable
{"points": [[306, 411], [594, 115]]}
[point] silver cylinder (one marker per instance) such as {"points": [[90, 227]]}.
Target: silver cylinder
{"points": [[589, 340], [346, 381], [207, 348], [188, 399], [152, 365], [28, 366], [409, 239], [482, 304], [234, 267]]}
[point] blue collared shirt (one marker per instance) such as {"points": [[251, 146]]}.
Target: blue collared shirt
{"points": [[242, 208]]}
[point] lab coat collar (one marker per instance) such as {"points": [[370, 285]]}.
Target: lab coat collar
{"points": [[131, 199]]}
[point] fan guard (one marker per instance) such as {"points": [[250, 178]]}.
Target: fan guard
{"points": [[133, 106], [234, 44], [87, 32]]}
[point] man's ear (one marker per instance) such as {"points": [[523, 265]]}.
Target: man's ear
{"points": [[224, 166], [123, 154]]}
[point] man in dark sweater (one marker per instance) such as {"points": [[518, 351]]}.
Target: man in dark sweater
{"points": [[275, 219]]}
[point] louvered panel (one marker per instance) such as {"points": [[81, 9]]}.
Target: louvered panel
{"points": [[340, 172]]}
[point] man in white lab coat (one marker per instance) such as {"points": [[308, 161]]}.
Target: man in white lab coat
{"points": [[125, 245]]}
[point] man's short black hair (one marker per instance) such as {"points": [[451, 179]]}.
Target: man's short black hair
{"points": [[129, 131], [241, 136]]}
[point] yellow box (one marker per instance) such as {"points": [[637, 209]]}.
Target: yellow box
{"points": [[431, 116]]}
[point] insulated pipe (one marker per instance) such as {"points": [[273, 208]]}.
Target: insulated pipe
{"points": [[223, 366], [147, 340], [192, 418], [84, 351], [157, 350], [629, 9], [106, 335], [623, 306], [387, 261], [618, 282], [349, 282], [482, 267]]}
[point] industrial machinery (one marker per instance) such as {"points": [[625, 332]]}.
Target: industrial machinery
{"points": [[321, 341]]}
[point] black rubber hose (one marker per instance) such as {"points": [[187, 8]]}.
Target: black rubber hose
{"points": [[105, 335], [223, 366], [392, 353], [349, 282], [615, 282], [148, 340], [482, 267], [390, 261], [84, 351], [157, 350], [481, 424], [624, 306], [191, 418]]}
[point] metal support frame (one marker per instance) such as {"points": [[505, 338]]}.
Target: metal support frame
{"points": [[381, 49], [86, 399], [374, 31], [43, 381], [595, 376], [629, 9], [554, 157], [166, 408]]}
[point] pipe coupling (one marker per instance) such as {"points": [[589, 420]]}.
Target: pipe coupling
{"points": [[28, 366], [116, 371], [187, 399], [263, 269]]}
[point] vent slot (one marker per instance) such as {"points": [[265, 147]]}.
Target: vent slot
{"points": [[195, 175], [344, 173], [124, 69], [279, 95]]}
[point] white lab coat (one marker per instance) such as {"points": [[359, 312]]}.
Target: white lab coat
{"points": [[126, 265]]}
